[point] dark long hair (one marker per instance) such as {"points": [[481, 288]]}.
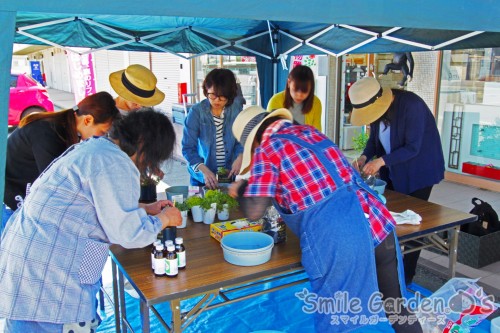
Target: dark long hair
{"points": [[147, 133], [101, 106], [223, 82], [303, 78]]}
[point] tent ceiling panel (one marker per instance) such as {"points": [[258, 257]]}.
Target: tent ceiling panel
{"points": [[424, 14], [235, 36]]}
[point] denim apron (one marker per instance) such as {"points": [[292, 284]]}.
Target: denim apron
{"points": [[338, 251]]}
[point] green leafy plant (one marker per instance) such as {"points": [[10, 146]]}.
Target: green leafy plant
{"points": [[223, 175], [182, 206], [359, 142], [194, 201], [225, 199], [209, 199], [221, 171]]}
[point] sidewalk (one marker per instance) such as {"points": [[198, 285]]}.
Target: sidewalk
{"points": [[448, 194], [61, 99]]}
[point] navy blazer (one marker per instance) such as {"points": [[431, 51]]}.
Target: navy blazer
{"points": [[416, 160]]}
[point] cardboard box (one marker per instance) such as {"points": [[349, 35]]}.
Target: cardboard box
{"points": [[221, 229]]}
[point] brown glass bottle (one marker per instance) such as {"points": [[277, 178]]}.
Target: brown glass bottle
{"points": [[171, 269], [181, 253], [159, 261]]}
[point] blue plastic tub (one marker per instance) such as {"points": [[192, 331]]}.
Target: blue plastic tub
{"points": [[247, 248], [380, 186]]}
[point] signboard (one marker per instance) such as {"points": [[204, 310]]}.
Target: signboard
{"points": [[82, 75], [36, 71]]}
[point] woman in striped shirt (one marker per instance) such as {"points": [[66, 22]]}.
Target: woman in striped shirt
{"points": [[208, 143]]}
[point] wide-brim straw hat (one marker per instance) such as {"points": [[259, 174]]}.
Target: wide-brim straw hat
{"points": [[137, 84], [369, 101], [246, 125]]}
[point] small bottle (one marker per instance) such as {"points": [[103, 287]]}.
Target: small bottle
{"points": [[181, 253], [153, 250], [159, 261], [171, 269]]}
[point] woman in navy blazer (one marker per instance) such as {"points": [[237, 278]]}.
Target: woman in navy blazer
{"points": [[404, 144]]}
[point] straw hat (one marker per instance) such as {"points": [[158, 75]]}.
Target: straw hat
{"points": [[245, 127], [369, 101], [137, 84]]}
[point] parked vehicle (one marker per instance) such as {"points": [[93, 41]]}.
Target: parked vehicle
{"points": [[26, 96]]}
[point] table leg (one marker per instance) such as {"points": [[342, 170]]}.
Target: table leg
{"points": [[144, 317], [453, 248], [121, 292], [115, 297], [175, 307]]}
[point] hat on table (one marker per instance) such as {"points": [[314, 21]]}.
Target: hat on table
{"points": [[369, 101], [137, 84], [246, 125]]}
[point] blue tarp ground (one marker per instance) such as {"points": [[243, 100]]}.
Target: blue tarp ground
{"points": [[279, 310]]}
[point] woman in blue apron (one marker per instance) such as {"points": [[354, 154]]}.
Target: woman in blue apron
{"points": [[346, 234]]}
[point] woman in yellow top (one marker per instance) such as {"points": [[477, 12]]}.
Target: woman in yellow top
{"points": [[299, 98]]}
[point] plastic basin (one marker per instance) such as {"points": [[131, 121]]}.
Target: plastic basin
{"points": [[379, 186], [247, 248], [176, 190]]}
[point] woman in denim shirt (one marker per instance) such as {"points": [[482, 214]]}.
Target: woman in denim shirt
{"points": [[208, 142]]}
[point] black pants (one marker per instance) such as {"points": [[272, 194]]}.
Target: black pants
{"points": [[389, 284], [410, 259]]}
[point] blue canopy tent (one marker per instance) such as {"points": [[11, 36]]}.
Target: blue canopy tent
{"points": [[269, 30]]}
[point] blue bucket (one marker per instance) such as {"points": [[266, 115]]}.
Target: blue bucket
{"points": [[247, 248]]}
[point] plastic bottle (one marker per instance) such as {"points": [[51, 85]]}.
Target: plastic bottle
{"points": [[159, 261], [153, 249], [181, 252], [171, 269]]}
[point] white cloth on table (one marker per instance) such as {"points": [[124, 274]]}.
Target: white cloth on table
{"points": [[407, 217]]}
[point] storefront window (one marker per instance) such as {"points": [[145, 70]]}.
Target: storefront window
{"points": [[469, 112], [245, 69]]}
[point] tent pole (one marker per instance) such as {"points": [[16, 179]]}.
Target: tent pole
{"points": [[8, 20], [274, 40]]}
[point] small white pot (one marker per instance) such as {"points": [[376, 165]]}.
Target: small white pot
{"points": [[184, 215], [209, 214], [223, 215], [197, 213]]}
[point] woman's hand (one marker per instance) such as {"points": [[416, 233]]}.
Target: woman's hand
{"points": [[235, 168], [372, 167], [235, 187], [358, 163], [156, 207], [170, 217], [210, 179]]}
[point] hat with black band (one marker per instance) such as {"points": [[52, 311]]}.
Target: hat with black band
{"points": [[137, 84], [369, 101]]}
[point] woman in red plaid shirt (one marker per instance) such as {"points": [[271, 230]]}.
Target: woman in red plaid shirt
{"points": [[346, 233]]}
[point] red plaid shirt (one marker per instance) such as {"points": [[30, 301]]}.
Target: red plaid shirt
{"points": [[297, 179]]}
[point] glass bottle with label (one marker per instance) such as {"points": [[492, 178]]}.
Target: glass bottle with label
{"points": [[153, 250], [159, 261], [171, 269], [181, 252]]}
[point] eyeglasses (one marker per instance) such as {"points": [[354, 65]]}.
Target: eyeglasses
{"points": [[213, 97]]}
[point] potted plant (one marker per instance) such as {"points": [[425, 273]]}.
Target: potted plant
{"points": [[225, 203], [209, 206], [183, 207], [222, 175], [194, 203], [148, 187], [359, 142]]}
